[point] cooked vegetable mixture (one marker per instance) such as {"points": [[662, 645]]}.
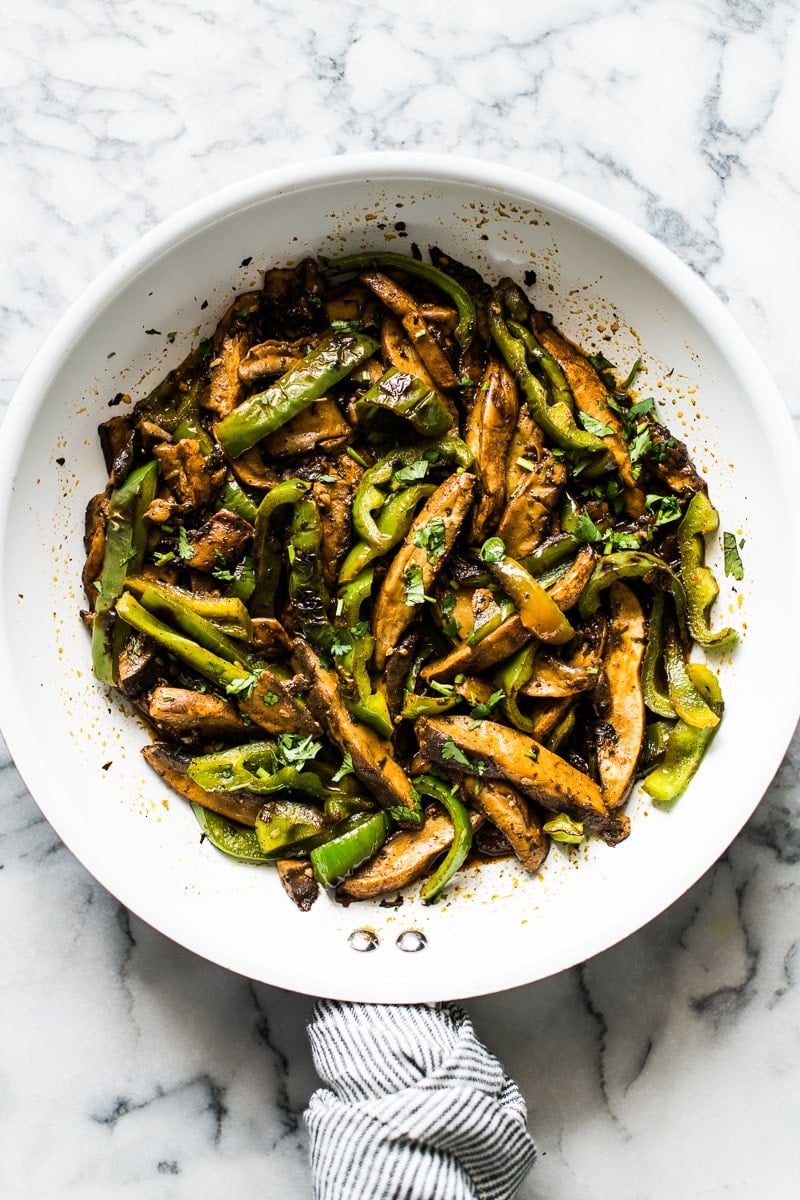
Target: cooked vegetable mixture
{"points": [[399, 576]]}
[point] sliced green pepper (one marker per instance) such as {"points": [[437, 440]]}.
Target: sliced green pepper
{"points": [[408, 397], [461, 845], [700, 519], [632, 564], [513, 675], [538, 612], [231, 678], [308, 592], [237, 841], [266, 551], [687, 699], [287, 829], [370, 496], [686, 745], [554, 414], [347, 849], [163, 601], [332, 360], [656, 694], [228, 614], [393, 523], [231, 769], [126, 541], [465, 308]]}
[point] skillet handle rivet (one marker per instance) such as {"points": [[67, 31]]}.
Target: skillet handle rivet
{"points": [[363, 940], [411, 940]]}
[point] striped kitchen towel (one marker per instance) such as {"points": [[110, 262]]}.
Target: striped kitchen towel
{"points": [[415, 1107]]}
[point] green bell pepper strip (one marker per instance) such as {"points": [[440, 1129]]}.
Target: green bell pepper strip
{"points": [[687, 700], [242, 586], [158, 599], [370, 496], [231, 769], [393, 523], [409, 398], [631, 564], [537, 610], [465, 330], [550, 368], [233, 497], [237, 841], [562, 828], [563, 731], [228, 614], [346, 850], [555, 416], [368, 705], [225, 675], [654, 746], [512, 676], [656, 696], [436, 789], [126, 542], [686, 745], [308, 593], [700, 519], [266, 552], [427, 706], [551, 554], [340, 807], [333, 359], [289, 830]]}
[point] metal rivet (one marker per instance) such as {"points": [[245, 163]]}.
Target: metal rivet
{"points": [[411, 940], [363, 940]]}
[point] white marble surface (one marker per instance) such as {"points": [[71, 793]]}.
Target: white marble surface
{"points": [[670, 1065]]}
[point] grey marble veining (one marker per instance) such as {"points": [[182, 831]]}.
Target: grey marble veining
{"points": [[668, 1066]]}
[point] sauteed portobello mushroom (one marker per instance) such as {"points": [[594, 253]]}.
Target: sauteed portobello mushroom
{"points": [[388, 561]]}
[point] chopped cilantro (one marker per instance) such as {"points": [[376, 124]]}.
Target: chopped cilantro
{"points": [[414, 585], [663, 508], [454, 754], [592, 425], [241, 687], [493, 550], [449, 625], [733, 560], [485, 707], [414, 472], [185, 548], [294, 750], [270, 698], [432, 538], [346, 768]]}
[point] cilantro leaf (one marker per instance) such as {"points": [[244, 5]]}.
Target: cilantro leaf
{"points": [[414, 472], [294, 750], [432, 538], [454, 754], [185, 547], [486, 707], [733, 560], [493, 550], [663, 508], [346, 768], [592, 425], [414, 585]]}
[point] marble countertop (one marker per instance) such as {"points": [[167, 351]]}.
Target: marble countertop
{"points": [[667, 1066]]}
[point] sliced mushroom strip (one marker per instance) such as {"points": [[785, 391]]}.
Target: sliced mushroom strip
{"points": [[271, 358], [320, 427], [224, 382], [181, 711], [404, 858], [172, 765], [591, 398], [526, 518], [491, 751], [514, 817], [403, 305], [554, 677], [297, 877], [371, 755], [489, 428], [272, 706], [418, 561], [620, 735], [223, 538]]}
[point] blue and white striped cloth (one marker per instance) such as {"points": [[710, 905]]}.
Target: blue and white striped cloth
{"points": [[415, 1107]]}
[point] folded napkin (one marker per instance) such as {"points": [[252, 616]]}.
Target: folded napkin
{"points": [[415, 1107]]}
